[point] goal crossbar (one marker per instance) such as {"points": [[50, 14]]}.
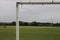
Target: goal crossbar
{"points": [[21, 3], [38, 3]]}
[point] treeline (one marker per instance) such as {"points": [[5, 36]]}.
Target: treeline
{"points": [[21, 23]]}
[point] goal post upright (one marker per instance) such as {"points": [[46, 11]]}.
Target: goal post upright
{"points": [[24, 3], [17, 23]]}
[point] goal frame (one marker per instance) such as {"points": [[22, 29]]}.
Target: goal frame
{"points": [[27, 3]]}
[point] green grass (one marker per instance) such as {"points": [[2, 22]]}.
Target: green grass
{"points": [[31, 33], [7, 33]]}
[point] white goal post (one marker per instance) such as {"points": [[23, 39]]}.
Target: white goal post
{"points": [[25, 3]]}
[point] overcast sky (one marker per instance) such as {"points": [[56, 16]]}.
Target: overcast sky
{"points": [[39, 13]]}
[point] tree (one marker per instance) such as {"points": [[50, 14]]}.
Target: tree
{"points": [[34, 23], [26, 23], [13, 23], [21, 23]]}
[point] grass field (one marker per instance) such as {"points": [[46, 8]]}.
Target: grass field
{"points": [[31, 33]]}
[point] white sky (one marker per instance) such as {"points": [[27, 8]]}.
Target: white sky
{"points": [[41, 13]]}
